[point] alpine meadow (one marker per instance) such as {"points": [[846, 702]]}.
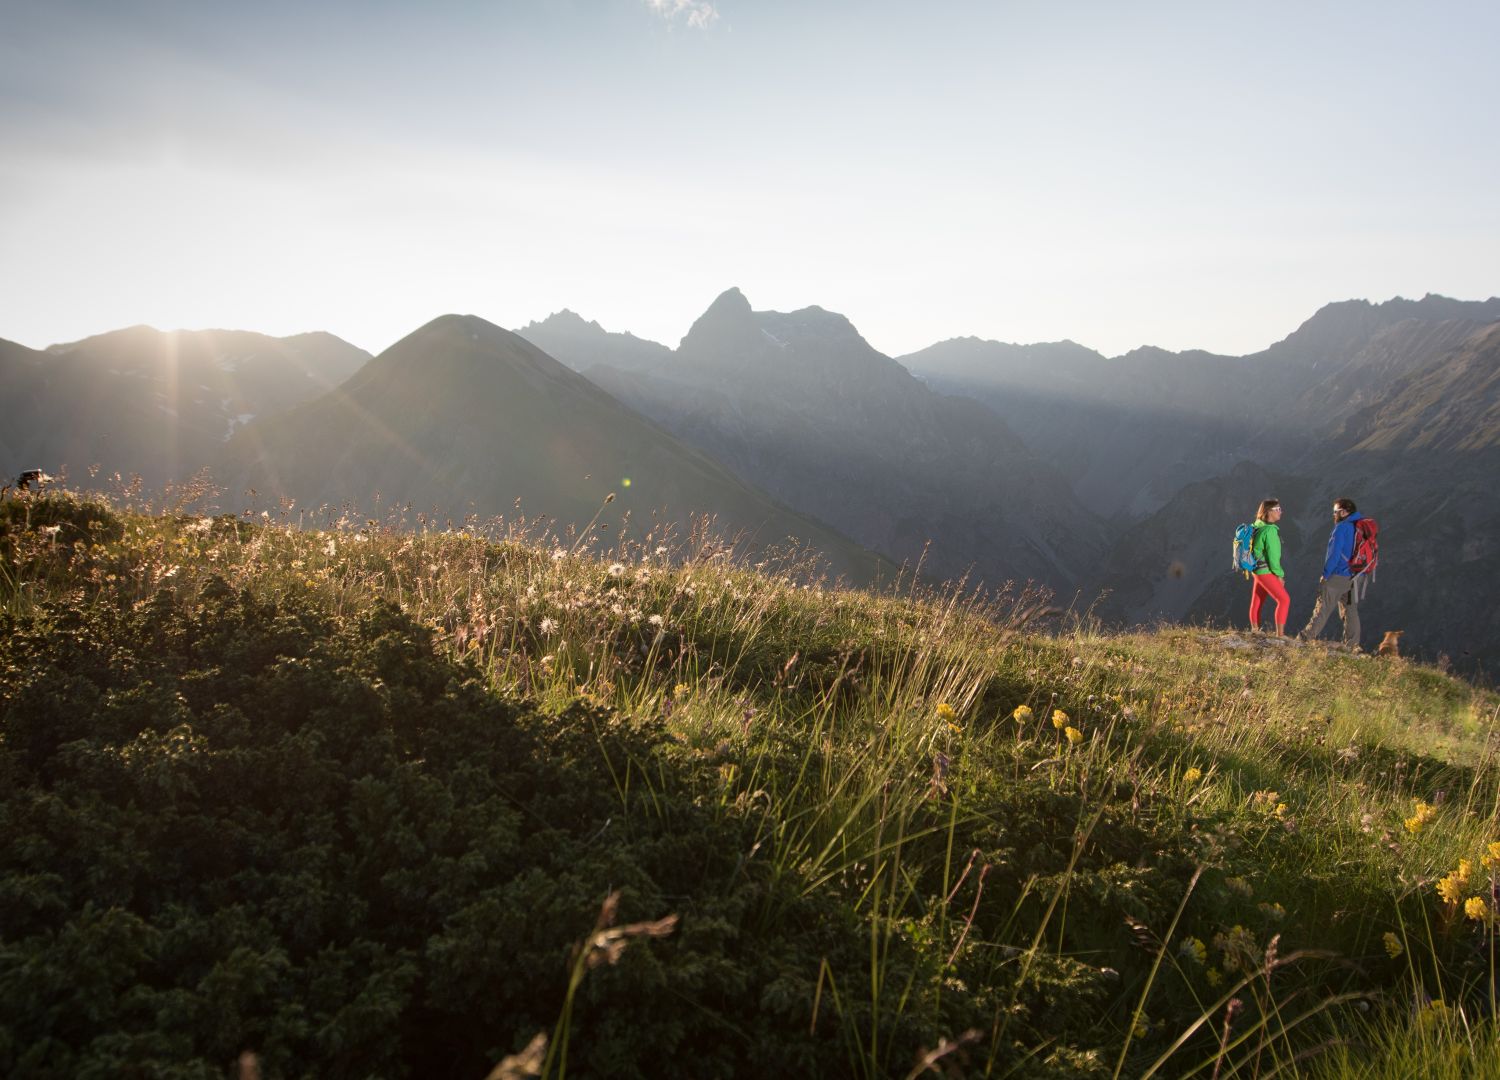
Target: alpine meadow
{"points": [[711, 540]]}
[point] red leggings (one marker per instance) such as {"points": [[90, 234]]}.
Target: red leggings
{"points": [[1269, 585]]}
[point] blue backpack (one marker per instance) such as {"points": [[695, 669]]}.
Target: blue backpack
{"points": [[1244, 540]]}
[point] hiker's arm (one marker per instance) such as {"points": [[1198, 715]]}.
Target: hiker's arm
{"points": [[1273, 551]]}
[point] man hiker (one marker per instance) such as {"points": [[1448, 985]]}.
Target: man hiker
{"points": [[1339, 584]]}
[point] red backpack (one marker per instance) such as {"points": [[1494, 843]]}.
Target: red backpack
{"points": [[1366, 548]]}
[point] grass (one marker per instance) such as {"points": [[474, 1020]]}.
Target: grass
{"points": [[1198, 883]]}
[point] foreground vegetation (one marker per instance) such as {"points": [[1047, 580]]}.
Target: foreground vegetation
{"points": [[367, 801]]}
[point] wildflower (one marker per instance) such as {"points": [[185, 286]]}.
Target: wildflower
{"points": [[1451, 888], [1492, 856], [1241, 953], [655, 620], [1059, 719], [1213, 976], [548, 625], [1435, 1013], [331, 548], [1272, 911], [1022, 715], [946, 713], [1422, 813], [1392, 945], [1194, 950], [1074, 735], [558, 554], [1239, 885], [1475, 908], [1265, 801], [1142, 1027], [1192, 776], [616, 569]]}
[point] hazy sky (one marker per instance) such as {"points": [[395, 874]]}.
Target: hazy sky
{"points": [[1189, 174]]}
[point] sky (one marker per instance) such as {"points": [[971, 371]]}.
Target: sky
{"points": [[1187, 175]]}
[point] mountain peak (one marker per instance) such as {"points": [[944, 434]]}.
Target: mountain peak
{"points": [[566, 319], [730, 302], [729, 317]]}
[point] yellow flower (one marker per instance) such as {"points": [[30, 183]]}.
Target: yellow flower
{"points": [[680, 689], [1422, 813], [1492, 856], [946, 713], [1142, 1027], [955, 729], [1451, 888], [1392, 944], [1476, 908], [1074, 735], [1213, 976], [1266, 801], [1241, 953], [1194, 950], [1022, 714], [1192, 776], [1059, 719]]}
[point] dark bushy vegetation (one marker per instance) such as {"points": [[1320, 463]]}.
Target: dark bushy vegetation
{"points": [[235, 825]]}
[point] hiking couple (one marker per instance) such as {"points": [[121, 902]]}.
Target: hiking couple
{"points": [[1344, 571]]}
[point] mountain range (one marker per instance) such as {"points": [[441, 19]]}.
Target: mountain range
{"points": [[1110, 479], [155, 404], [463, 417]]}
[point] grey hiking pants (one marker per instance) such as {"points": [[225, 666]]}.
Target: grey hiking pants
{"points": [[1343, 591]]}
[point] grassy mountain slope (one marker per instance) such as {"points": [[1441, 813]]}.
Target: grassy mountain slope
{"points": [[464, 417], [396, 804], [141, 401]]}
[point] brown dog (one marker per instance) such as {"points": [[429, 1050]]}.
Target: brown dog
{"points": [[1391, 646]]}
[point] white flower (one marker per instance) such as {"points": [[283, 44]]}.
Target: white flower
{"points": [[655, 620], [558, 554], [331, 548], [50, 530], [548, 625], [201, 526], [616, 569], [661, 550]]}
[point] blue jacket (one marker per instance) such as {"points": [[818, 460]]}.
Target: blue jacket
{"points": [[1340, 547]]}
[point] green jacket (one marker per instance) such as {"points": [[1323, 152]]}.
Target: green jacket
{"points": [[1266, 547]]}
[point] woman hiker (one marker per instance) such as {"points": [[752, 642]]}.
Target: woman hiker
{"points": [[1268, 577]]}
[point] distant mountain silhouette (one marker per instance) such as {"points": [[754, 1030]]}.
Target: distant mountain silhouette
{"points": [[153, 403], [581, 344], [462, 416], [1396, 405], [800, 404]]}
